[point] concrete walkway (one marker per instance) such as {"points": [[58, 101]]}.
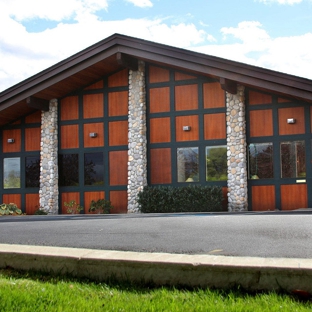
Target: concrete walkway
{"points": [[253, 273]]}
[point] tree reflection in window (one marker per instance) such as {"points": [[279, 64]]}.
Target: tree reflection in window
{"points": [[68, 170], [216, 163], [260, 161], [93, 169], [293, 162], [187, 163], [32, 171], [11, 173]]}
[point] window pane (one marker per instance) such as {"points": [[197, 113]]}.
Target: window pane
{"points": [[216, 163], [93, 169], [68, 170], [187, 159], [293, 159], [260, 161], [11, 173], [32, 171]]}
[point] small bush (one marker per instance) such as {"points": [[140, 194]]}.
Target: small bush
{"points": [[9, 209], [193, 198], [100, 206], [40, 211], [73, 207]]}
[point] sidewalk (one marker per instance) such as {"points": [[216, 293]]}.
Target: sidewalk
{"points": [[253, 273]]}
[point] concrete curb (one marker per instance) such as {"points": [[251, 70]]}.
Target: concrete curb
{"points": [[251, 273]]}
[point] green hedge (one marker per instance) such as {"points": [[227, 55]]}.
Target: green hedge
{"points": [[193, 198]]}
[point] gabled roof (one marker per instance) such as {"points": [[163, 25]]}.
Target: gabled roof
{"points": [[119, 51]]}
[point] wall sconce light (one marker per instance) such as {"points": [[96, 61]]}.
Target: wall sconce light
{"points": [[10, 141], [93, 134], [186, 128], [291, 120]]}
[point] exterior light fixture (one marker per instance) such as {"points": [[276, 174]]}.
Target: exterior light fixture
{"points": [[186, 128], [10, 141], [93, 134], [291, 120]]}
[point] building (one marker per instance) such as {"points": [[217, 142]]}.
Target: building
{"points": [[126, 112]]}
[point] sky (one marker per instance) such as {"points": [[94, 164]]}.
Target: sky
{"points": [[274, 34]]}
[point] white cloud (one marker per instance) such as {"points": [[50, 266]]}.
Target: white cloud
{"points": [[141, 3], [287, 2]]}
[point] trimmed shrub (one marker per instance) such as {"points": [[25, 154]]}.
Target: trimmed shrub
{"points": [[194, 198]]}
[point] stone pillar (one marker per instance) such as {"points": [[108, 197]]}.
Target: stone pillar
{"points": [[236, 150], [48, 193], [137, 149]]}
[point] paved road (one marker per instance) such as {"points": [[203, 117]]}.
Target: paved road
{"points": [[251, 234]]}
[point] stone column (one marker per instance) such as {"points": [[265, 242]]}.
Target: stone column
{"points": [[137, 149], [48, 193], [236, 150]]}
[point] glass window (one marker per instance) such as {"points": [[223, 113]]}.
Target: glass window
{"points": [[93, 169], [293, 164], [260, 160], [187, 163], [32, 171], [216, 163], [11, 173], [68, 170]]}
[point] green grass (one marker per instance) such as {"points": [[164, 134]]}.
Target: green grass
{"points": [[37, 292]]}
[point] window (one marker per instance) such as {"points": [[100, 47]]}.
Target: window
{"points": [[260, 160], [11, 173], [216, 163], [293, 164], [68, 170], [93, 169], [32, 171], [187, 163]]}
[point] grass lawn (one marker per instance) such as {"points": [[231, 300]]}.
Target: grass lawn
{"points": [[39, 292]]}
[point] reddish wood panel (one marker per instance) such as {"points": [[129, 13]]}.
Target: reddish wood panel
{"points": [[69, 136], [89, 196], [93, 105], [69, 108], [119, 79], [159, 100], [33, 118], [214, 96], [259, 98], [160, 165], [158, 74], [225, 200], [118, 133], [292, 112], [97, 85], [214, 126], [98, 128], [119, 200], [191, 135], [32, 203], [160, 130], [118, 167], [12, 199], [263, 198], [294, 196], [32, 139], [17, 122], [261, 123], [282, 100], [67, 197], [186, 97], [11, 134], [118, 103], [182, 76]]}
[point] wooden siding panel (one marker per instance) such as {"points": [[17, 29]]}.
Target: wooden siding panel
{"points": [[88, 197], [33, 118], [256, 98], [98, 85], [118, 133], [119, 79], [186, 97], [12, 198], [263, 198], [191, 135], [118, 167], [119, 200], [98, 128], [159, 100], [69, 108], [93, 105], [291, 112], [182, 76], [69, 136], [157, 74], [118, 103], [11, 134], [261, 123], [294, 196], [160, 130], [32, 203], [214, 126], [32, 139], [67, 197], [214, 96], [160, 166]]}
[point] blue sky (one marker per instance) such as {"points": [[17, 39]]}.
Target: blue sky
{"points": [[274, 34]]}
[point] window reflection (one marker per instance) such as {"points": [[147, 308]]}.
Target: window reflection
{"points": [[93, 169], [216, 163], [293, 159], [32, 171], [68, 170], [187, 161], [11, 173], [260, 160]]}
